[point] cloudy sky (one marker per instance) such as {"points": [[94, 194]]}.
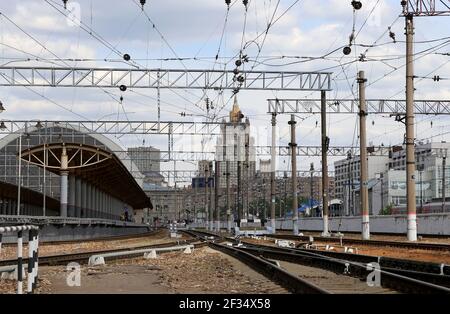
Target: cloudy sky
{"points": [[37, 32]]}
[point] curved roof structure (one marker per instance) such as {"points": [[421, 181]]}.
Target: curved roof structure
{"points": [[109, 144], [114, 172], [92, 164]]}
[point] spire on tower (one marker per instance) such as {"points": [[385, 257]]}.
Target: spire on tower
{"points": [[235, 113]]}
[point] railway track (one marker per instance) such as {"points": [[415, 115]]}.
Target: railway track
{"points": [[268, 269], [402, 280], [83, 257], [383, 243], [358, 233]]}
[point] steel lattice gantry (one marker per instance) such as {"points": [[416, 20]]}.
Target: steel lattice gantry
{"points": [[281, 151], [374, 106], [427, 7], [119, 127], [187, 175], [162, 78]]}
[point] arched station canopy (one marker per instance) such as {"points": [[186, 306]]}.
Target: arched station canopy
{"points": [[92, 164]]}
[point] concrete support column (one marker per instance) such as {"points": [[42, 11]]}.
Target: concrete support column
{"points": [[105, 206], [112, 205], [83, 199], [71, 202], [108, 206], [88, 200], [8, 207], [2, 207], [12, 210], [63, 193], [99, 203], [116, 208], [77, 198], [102, 204], [94, 202]]}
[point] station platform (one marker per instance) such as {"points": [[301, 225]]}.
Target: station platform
{"points": [[56, 229]]}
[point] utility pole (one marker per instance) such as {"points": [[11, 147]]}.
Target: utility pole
{"points": [[363, 184], [293, 146], [325, 144], [247, 169], [216, 199], [227, 174], [381, 192], [285, 193], [272, 174], [311, 187], [206, 195], [211, 199], [228, 197], [410, 157], [239, 215], [19, 184], [263, 220], [444, 161]]}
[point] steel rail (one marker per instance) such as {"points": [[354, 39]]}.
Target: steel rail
{"points": [[423, 271], [271, 271], [409, 245], [389, 280], [391, 267]]}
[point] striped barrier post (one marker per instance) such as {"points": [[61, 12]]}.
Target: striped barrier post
{"points": [[36, 257], [33, 247], [30, 261], [19, 262]]}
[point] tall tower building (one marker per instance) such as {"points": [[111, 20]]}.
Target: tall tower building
{"points": [[236, 145]]}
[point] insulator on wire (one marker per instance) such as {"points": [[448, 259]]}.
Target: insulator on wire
{"points": [[122, 88], [436, 78], [391, 34], [356, 5], [65, 4], [347, 50], [236, 71], [126, 57], [142, 3], [240, 79], [228, 2], [245, 2], [238, 63], [373, 122], [121, 98]]}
